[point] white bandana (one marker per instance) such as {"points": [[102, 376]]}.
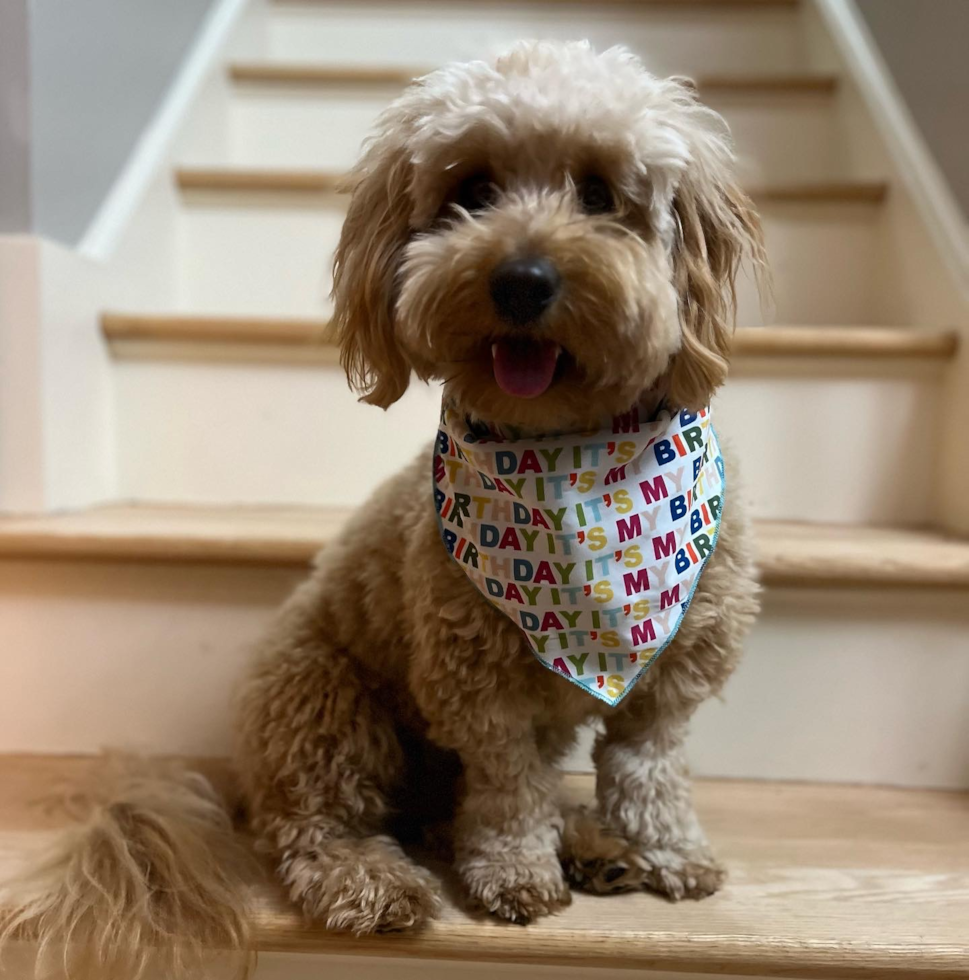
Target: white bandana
{"points": [[593, 542]]}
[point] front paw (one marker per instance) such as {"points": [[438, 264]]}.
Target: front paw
{"points": [[517, 891], [597, 860], [677, 872], [360, 886]]}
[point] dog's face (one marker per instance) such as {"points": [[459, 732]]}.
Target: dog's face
{"points": [[552, 237]]}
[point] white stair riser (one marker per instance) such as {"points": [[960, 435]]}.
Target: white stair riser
{"points": [[778, 138], [258, 254], [262, 433], [127, 655], [860, 686], [832, 441], [431, 34], [812, 447], [147, 656]]}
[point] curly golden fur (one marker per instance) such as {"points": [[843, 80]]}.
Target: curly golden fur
{"points": [[387, 678], [388, 693], [149, 878]]}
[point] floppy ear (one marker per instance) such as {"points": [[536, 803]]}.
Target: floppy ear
{"points": [[365, 266], [716, 228]]}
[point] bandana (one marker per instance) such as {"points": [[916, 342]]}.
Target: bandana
{"points": [[592, 543]]}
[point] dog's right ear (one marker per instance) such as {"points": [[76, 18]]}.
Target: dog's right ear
{"points": [[365, 267]]}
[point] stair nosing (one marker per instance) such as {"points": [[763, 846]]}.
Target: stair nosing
{"points": [[284, 930], [884, 343], [791, 554], [751, 4], [770, 831], [258, 180], [315, 182], [297, 332], [308, 74], [306, 334]]}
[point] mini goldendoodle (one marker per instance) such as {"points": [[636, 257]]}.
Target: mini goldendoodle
{"points": [[556, 238]]}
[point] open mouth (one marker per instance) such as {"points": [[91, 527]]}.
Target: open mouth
{"points": [[525, 367]]}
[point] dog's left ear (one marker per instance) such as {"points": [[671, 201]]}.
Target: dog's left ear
{"points": [[716, 228], [375, 232]]}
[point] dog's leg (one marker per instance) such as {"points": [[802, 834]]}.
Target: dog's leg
{"points": [[319, 753], [649, 834], [508, 823], [508, 828]]}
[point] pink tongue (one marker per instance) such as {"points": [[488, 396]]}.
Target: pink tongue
{"points": [[524, 368]]}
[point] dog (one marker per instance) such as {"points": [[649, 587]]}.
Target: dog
{"points": [[555, 238], [608, 192]]}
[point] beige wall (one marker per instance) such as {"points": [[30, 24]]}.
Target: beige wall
{"points": [[926, 46]]}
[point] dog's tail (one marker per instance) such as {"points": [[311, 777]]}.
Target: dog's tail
{"points": [[152, 873]]}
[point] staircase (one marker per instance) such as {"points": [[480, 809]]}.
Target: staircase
{"points": [[126, 621]]}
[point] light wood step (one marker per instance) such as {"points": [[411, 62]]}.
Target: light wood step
{"points": [[799, 83], [716, 4], [315, 337], [790, 554], [153, 533], [823, 192], [322, 75], [243, 180], [259, 181], [824, 881], [822, 555], [301, 335], [870, 343]]}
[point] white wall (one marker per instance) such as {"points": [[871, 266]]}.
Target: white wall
{"points": [[99, 69], [924, 43]]}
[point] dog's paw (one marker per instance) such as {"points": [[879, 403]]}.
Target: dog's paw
{"points": [[517, 891], [675, 872], [361, 887], [597, 860], [593, 858]]}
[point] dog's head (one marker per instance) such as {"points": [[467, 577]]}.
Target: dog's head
{"points": [[552, 237]]}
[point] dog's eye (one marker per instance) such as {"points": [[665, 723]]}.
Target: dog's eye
{"points": [[595, 196], [475, 193]]}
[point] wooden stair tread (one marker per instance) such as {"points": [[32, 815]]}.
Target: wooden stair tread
{"points": [[255, 180], [275, 535], [188, 328], [790, 554], [293, 73], [806, 554], [867, 342], [310, 334], [791, 83], [823, 192], [825, 881], [617, 3], [292, 181]]}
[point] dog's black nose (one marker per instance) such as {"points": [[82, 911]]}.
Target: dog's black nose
{"points": [[522, 289]]}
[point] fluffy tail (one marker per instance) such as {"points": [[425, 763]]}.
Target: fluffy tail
{"points": [[152, 874]]}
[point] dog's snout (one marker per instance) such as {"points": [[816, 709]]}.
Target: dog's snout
{"points": [[523, 288]]}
